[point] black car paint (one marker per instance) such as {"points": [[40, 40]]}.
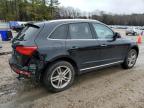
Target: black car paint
{"points": [[85, 53]]}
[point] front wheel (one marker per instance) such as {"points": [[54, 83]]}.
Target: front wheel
{"points": [[130, 59], [59, 76]]}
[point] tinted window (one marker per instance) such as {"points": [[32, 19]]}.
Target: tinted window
{"points": [[103, 32], [27, 32], [80, 31], [60, 32]]}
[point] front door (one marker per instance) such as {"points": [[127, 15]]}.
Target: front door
{"points": [[82, 46], [111, 51]]}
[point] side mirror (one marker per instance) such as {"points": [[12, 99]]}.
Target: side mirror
{"points": [[116, 35]]}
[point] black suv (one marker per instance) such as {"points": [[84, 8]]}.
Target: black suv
{"points": [[56, 51]]}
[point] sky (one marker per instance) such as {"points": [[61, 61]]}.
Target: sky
{"points": [[113, 6]]}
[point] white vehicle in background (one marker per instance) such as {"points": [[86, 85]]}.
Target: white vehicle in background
{"points": [[133, 31], [142, 31]]}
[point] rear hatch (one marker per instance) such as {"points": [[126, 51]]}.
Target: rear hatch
{"points": [[24, 46]]}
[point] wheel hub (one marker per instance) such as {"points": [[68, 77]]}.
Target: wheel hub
{"points": [[61, 77], [132, 58]]}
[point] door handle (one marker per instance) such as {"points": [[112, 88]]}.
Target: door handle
{"points": [[74, 47], [103, 45]]}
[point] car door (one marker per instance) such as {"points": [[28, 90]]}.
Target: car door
{"points": [[82, 46], [111, 50]]}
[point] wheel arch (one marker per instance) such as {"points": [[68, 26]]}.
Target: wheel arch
{"points": [[63, 58], [136, 48]]}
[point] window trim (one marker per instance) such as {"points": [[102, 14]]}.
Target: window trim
{"points": [[96, 36], [93, 32], [69, 37]]}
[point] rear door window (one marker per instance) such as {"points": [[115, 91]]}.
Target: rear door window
{"points": [[60, 32]]}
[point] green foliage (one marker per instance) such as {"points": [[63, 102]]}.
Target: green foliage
{"points": [[28, 10]]}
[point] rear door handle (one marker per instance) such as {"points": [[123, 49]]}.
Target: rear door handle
{"points": [[74, 47], [103, 45]]}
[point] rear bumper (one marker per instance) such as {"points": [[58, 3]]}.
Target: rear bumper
{"points": [[18, 69], [20, 72]]}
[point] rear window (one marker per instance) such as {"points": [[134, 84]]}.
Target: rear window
{"points": [[27, 32]]}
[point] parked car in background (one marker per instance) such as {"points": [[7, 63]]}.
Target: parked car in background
{"points": [[56, 51], [17, 25], [133, 31]]}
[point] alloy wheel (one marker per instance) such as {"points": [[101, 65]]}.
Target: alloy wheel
{"points": [[132, 56], [61, 77]]}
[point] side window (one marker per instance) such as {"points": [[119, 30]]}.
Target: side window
{"points": [[103, 32], [60, 32], [80, 31]]}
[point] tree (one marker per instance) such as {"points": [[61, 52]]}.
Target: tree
{"points": [[69, 12], [28, 9]]}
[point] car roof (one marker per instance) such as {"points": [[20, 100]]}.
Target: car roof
{"points": [[73, 20], [63, 21]]}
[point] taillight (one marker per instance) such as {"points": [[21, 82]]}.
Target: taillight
{"points": [[26, 50]]}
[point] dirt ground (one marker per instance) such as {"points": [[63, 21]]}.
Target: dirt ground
{"points": [[107, 88]]}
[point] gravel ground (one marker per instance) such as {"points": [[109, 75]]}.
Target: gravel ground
{"points": [[111, 87]]}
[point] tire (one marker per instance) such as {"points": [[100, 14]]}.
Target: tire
{"points": [[54, 78], [129, 62]]}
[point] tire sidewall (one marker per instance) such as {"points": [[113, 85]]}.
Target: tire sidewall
{"points": [[126, 61], [49, 71]]}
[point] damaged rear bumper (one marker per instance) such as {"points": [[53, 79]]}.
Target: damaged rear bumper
{"points": [[32, 69], [25, 71], [20, 72]]}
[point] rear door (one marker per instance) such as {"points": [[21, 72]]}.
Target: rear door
{"points": [[111, 51], [82, 45]]}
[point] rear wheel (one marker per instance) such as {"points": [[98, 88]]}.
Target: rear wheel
{"points": [[59, 76], [130, 59]]}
